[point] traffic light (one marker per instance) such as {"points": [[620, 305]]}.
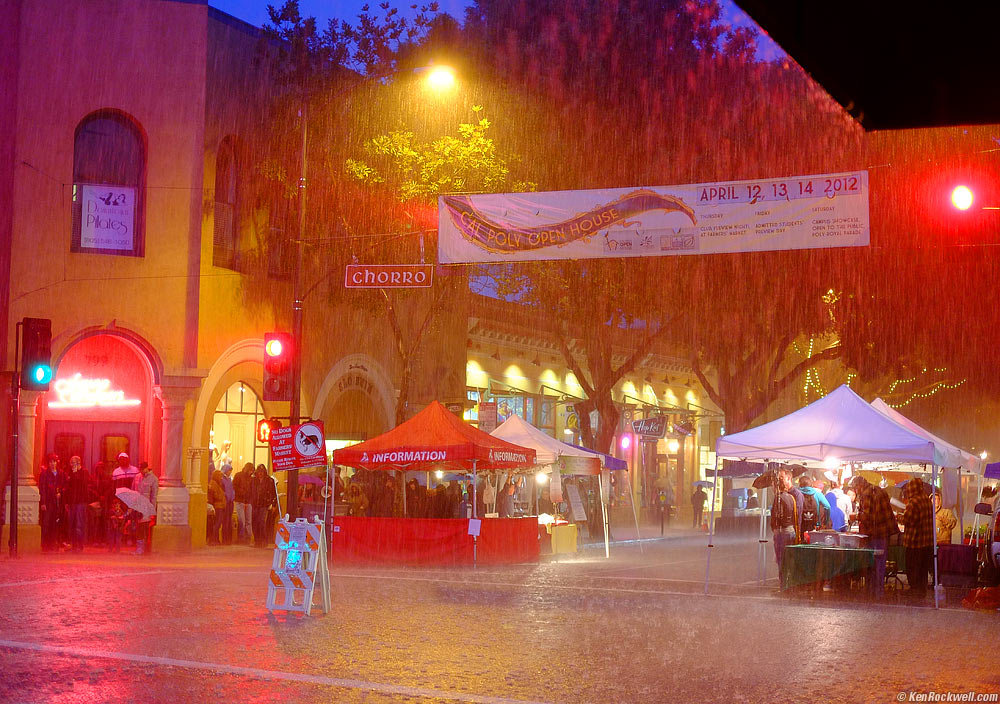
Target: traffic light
{"points": [[278, 354], [961, 197], [36, 354], [266, 426]]}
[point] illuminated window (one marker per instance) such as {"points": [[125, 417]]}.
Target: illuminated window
{"points": [[111, 446], [109, 183], [68, 445]]}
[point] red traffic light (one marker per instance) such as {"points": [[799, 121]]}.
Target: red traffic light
{"points": [[961, 197], [278, 358]]}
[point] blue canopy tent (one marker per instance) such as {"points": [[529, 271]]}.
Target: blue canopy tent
{"points": [[607, 461]]}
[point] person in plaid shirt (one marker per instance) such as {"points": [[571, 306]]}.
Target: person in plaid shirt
{"points": [[877, 521], [918, 537]]}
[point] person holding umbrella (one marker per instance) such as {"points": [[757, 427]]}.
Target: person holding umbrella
{"points": [[147, 486]]}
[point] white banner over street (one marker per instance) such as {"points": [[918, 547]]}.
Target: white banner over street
{"points": [[801, 212]]}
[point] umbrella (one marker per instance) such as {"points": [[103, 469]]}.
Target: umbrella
{"points": [[765, 481], [310, 479], [703, 484], [135, 501]]}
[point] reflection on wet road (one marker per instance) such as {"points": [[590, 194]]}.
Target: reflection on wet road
{"points": [[636, 628]]}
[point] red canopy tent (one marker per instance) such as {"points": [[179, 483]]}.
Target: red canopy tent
{"points": [[435, 439]]}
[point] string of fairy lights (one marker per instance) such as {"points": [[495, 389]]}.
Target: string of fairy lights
{"points": [[813, 384]]}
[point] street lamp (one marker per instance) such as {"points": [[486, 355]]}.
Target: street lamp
{"points": [[438, 78]]}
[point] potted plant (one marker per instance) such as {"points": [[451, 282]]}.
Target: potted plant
{"points": [[969, 539]]}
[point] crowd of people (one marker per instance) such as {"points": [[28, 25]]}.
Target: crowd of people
{"points": [[919, 521], [247, 502], [79, 506], [373, 493]]}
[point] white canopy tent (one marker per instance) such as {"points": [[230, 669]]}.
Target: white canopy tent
{"points": [[554, 457], [951, 456], [955, 458], [840, 427]]}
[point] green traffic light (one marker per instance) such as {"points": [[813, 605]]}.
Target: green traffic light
{"points": [[42, 374]]}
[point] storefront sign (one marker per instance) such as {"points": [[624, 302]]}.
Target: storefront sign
{"points": [[802, 212], [298, 447], [654, 427], [77, 392], [389, 275], [107, 218], [487, 416]]}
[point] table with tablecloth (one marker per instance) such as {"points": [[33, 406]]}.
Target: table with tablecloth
{"points": [[808, 564], [433, 541]]}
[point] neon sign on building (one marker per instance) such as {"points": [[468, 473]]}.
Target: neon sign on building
{"points": [[77, 392]]}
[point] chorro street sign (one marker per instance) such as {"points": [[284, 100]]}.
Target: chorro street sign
{"points": [[389, 275]]}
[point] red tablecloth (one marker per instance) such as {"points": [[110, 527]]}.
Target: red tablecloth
{"points": [[433, 541]]}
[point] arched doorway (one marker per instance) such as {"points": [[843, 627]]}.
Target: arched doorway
{"points": [[354, 416], [101, 403]]}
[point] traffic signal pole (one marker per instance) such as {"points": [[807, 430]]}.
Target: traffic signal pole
{"points": [[12, 466], [294, 408]]}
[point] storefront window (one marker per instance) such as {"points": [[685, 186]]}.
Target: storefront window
{"points": [[471, 415], [234, 428]]}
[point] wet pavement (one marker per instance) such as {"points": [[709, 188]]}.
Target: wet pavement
{"points": [[635, 628]]}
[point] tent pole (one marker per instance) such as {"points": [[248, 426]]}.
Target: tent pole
{"points": [[711, 522], [474, 537], [979, 498], [934, 532], [604, 514], [762, 541], [327, 528], [635, 516], [404, 494], [961, 507]]}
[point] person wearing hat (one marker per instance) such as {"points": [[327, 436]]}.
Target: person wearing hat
{"points": [[125, 473]]}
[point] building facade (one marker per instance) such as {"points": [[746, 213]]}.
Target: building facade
{"points": [[127, 137]]}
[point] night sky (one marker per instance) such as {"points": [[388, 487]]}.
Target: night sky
{"points": [[255, 12]]}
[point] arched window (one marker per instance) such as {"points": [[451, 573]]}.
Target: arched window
{"points": [[109, 184], [226, 240]]}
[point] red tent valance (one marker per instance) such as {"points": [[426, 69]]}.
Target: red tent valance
{"points": [[435, 439]]}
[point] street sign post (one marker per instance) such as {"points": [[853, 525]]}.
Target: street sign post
{"points": [[389, 275], [298, 447]]}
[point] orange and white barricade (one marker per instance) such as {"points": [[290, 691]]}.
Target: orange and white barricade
{"points": [[299, 567]]}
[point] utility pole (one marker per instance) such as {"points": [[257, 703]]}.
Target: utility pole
{"points": [[292, 502]]}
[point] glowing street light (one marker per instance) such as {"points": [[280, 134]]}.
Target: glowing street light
{"points": [[440, 78]]}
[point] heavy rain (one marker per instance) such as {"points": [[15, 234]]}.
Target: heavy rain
{"points": [[496, 351]]}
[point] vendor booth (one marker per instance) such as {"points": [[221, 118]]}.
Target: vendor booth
{"points": [[556, 459], [435, 439], [840, 427]]}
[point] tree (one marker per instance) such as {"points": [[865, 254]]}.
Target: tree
{"points": [[414, 173], [696, 107]]}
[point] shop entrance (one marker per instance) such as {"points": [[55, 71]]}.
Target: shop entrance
{"points": [[93, 441]]}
